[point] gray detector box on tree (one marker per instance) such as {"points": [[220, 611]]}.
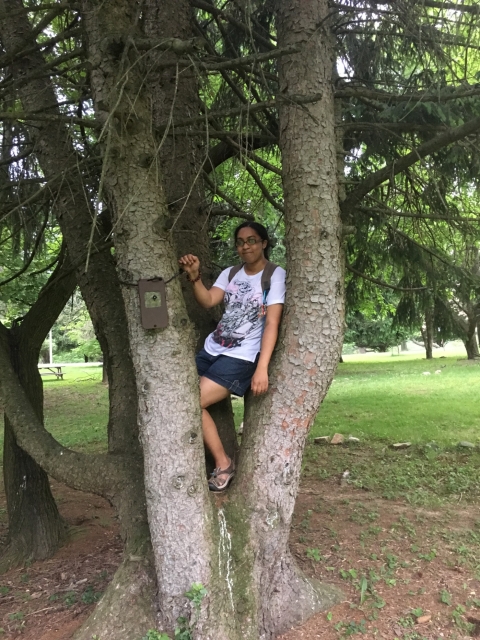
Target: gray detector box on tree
{"points": [[153, 304]]}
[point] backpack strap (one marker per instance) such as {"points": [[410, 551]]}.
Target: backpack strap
{"points": [[234, 270], [266, 278]]}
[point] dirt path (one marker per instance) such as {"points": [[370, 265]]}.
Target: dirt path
{"points": [[406, 572]]}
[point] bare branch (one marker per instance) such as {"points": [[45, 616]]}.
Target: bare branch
{"points": [[218, 13], [8, 58], [220, 64], [229, 213], [49, 117], [175, 45], [38, 239], [394, 127], [263, 188], [391, 212], [253, 156], [21, 156], [248, 108], [44, 7], [383, 96], [435, 4], [217, 191]]}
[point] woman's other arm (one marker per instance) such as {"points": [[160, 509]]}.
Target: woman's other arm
{"points": [[269, 339]]}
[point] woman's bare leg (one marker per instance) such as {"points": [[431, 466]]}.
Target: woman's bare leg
{"points": [[210, 393]]}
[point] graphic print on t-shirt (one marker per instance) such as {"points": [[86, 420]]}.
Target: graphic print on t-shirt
{"points": [[242, 314]]}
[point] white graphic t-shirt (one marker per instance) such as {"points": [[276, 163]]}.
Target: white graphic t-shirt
{"points": [[239, 332]]}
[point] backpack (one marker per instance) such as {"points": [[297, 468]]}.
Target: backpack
{"points": [[266, 277]]}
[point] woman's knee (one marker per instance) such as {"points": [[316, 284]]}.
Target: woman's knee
{"points": [[211, 392]]}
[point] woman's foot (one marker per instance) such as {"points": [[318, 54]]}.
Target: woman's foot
{"points": [[221, 478]]}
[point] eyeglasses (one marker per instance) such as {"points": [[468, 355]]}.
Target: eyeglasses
{"points": [[250, 241]]}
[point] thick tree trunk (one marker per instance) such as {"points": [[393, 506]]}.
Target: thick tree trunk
{"points": [[471, 346], [180, 512], [35, 527], [181, 159], [276, 426], [99, 285]]}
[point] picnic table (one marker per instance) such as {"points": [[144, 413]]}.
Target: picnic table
{"points": [[51, 370]]}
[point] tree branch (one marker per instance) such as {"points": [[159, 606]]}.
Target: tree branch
{"points": [[397, 166], [265, 192], [381, 283], [217, 191], [383, 96], [100, 474], [33, 116], [230, 213], [420, 216], [435, 4], [41, 316], [218, 13], [220, 64], [38, 239], [246, 109]]}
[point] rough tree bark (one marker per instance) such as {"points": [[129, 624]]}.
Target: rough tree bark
{"points": [[180, 512], [35, 528], [58, 159], [101, 291], [182, 160], [276, 425]]}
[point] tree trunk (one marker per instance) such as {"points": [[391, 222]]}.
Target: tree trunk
{"points": [[428, 333], [35, 527], [471, 346], [276, 425], [181, 159], [99, 284], [100, 289]]}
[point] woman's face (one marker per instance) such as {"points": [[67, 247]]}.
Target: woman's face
{"points": [[249, 245]]}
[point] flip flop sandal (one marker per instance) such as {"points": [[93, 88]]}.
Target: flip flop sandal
{"points": [[221, 478]]}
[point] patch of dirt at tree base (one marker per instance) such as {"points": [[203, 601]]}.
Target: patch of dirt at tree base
{"points": [[402, 562], [50, 599]]}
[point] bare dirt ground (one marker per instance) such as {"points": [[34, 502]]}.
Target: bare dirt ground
{"points": [[406, 572]]}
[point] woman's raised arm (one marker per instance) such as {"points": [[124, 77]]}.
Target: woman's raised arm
{"points": [[206, 298]]}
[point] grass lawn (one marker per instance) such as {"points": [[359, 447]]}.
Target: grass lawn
{"points": [[390, 398], [76, 408], [378, 398]]}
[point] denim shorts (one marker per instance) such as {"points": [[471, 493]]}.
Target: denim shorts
{"points": [[232, 373]]}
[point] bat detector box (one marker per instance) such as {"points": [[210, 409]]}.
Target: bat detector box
{"points": [[153, 303]]}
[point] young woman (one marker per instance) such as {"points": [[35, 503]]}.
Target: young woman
{"points": [[237, 354]]}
